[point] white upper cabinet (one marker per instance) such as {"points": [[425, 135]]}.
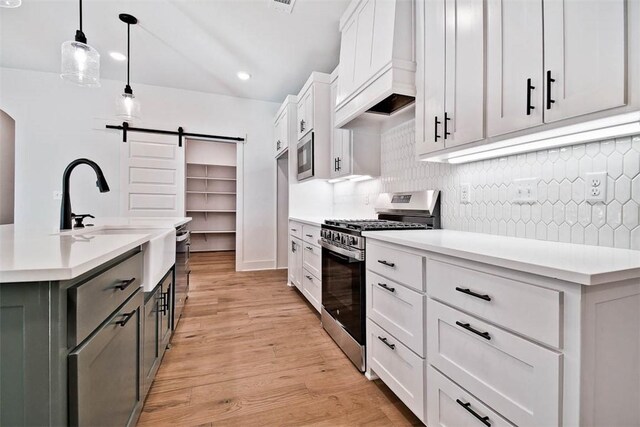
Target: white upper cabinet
{"points": [[313, 121], [450, 109], [283, 123], [353, 152], [585, 56], [377, 58], [514, 65], [550, 65], [464, 72]]}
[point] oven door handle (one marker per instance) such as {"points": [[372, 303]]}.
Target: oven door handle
{"points": [[340, 253]]}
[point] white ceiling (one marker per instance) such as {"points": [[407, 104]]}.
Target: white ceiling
{"points": [[187, 44]]}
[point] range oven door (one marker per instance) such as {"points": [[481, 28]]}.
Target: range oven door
{"points": [[305, 157], [343, 292]]}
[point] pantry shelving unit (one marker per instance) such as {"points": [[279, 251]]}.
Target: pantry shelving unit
{"points": [[211, 199]]}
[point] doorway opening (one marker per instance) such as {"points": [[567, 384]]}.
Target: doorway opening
{"points": [[282, 213]]}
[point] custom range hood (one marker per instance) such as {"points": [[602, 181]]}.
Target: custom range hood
{"points": [[377, 59]]}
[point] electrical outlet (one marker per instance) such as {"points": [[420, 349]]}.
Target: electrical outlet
{"points": [[465, 193], [57, 195], [526, 190], [595, 187]]}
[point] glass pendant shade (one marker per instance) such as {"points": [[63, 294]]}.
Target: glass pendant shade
{"points": [[10, 3], [80, 64], [127, 107]]}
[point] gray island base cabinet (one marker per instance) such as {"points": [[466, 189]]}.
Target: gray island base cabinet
{"points": [[74, 352]]}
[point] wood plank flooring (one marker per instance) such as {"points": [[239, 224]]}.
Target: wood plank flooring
{"points": [[250, 351]]}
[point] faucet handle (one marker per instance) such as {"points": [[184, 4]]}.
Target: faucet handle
{"points": [[79, 218]]}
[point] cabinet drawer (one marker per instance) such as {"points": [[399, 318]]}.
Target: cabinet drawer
{"points": [[91, 302], [312, 289], [400, 368], [104, 372], [295, 229], [398, 309], [310, 234], [449, 405], [403, 267], [312, 259], [521, 307], [517, 378]]}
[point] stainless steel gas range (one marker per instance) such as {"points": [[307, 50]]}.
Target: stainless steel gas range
{"points": [[343, 263]]}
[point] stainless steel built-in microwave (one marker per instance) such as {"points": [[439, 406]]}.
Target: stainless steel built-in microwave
{"points": [[305, 157]]}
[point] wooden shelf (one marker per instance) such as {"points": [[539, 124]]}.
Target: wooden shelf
{"points": [[211, 210], [211, 178], [228, 193], [210, 165], [213, 231]]}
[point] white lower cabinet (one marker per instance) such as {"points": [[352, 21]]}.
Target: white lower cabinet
{"points": [[495, 365], [395, 317], [400, 368], [488, 345], [305, 261], [450, 405]]}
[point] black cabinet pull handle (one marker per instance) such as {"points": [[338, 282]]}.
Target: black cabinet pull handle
{"points": [[339, 164], [435, 129], [335, 164], [473, 294], [549, 81], [446, 121], [309, 277], [384, 340], [385, 286], [467, 406], [125, 284], [302, 125], [468, 327], [127, 317], [294, 229], [530, 87], [387, 263], [309, 235], [309, 248]]}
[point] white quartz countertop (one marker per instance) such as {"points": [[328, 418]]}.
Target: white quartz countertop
{"points": [[583, 264], [28, 255], [310, 220]]}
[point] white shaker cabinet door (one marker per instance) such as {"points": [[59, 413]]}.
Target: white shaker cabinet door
{"points": [[514, 65], [430, 75], [585, 52], [464, 76], [347, 60]]}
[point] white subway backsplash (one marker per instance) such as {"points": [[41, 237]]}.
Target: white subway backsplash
{"points": [[560, 212]]}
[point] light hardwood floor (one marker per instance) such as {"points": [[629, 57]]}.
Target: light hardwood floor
{"points": [[249, 351]]}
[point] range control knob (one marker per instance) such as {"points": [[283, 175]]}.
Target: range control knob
{"points": [[353, 240]]}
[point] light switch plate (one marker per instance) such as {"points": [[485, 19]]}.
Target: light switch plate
{"points": [[465, 194], [526, 190], [595, 187]]}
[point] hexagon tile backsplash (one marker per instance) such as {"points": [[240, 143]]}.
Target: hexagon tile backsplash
{"points": [[560, 212]]}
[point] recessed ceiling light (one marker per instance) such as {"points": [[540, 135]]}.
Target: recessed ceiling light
{"points": [[118, 56], [243, 75]]}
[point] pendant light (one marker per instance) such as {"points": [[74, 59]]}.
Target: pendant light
{"points": [[10, 3], [80, 62], [128, 107]]}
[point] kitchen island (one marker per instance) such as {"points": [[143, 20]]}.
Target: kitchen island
{"points": [[73, 342]]}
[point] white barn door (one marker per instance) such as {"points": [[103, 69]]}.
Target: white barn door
{"points": [[151, 175]]}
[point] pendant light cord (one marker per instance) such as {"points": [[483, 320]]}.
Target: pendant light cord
{"points": [[81, 15], [128, 50]]}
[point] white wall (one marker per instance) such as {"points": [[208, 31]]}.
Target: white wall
{"points": [[57, 122]]}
